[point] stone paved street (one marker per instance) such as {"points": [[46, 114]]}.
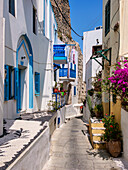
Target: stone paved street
{"points": [[71, 150]]}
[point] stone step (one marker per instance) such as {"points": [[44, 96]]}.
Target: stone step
{"points": [[98, 130], [99, 144], [97, 137], [97, 125]]}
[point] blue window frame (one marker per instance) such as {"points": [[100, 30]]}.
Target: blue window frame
{"points": [[12, 7], [9, 83], [37, 84], [74, 90]]}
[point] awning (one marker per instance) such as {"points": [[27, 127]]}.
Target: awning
{"points": [[101, 54]]}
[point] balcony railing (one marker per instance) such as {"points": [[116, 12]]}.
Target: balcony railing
{"points": [[59, 54], [59, 100], [63, 72]]}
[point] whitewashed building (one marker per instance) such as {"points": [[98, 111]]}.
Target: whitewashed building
{"points": [[92, 42], [30, 32], [2, 24]]}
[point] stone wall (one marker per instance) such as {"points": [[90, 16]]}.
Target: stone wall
{"points": [[64, 34]]}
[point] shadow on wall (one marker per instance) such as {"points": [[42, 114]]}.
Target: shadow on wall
{"points": [[45, 74]]}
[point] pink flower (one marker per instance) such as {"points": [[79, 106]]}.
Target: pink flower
{"points": [[125, 60], [123, 89]]}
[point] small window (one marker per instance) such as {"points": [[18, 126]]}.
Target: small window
{"points": [[107, 18], [37, 84], [74, 90], [34, 21], [12, 7]]}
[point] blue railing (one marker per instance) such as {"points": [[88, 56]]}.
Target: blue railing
{"points": [[59, 54], [60, 100]]}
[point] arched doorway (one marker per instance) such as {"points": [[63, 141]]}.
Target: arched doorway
{"points": [[24, 74]]}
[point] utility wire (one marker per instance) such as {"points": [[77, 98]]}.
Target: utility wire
{"points": [[67, 21], [93, 22]]}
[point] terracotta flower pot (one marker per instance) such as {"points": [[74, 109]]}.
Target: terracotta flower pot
{"points": [[107, 147], [55, 90], [114, 148]]}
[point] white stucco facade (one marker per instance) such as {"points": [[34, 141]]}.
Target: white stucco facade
{"points": [[2, 24], [90, 67], [29, 52]]}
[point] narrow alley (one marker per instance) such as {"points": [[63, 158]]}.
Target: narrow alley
{"points": [[71, 150]]}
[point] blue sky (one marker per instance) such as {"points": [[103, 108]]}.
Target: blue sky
{"points": [[85, 16]]}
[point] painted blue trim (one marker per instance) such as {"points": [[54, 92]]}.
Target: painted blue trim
{"points": [[60, 58], [74, 90], [16, 85], [22, 63], [63, 72], [19, 101], [30, 67], [37, 84]]}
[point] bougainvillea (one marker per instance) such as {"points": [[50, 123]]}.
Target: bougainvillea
{"points": [[118, 82]]}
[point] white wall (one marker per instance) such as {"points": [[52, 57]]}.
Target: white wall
{"points": [[90, 67], [2, 24], [35, 156], [88, 42], [42, 48], [124, 127]]}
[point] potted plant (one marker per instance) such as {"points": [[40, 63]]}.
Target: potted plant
{"points": [[55, 89], [98, 109], [112, 135], [91, 92]]}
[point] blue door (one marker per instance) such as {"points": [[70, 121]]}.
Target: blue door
{"points": [[19, 91]]}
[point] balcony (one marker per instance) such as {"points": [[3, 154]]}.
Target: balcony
{"points": [[59, 54], [65, 74]]}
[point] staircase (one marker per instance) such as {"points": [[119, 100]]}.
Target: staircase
{"points": [[96, 130]]}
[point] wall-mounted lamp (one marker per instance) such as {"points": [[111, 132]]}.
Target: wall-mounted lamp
{"points": [[97, 40]]}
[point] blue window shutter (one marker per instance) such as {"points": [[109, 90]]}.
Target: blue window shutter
{"points": [[71, 66], [6, 84], [74, 90], [16, 82], [37, 84], [74, 66]]}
